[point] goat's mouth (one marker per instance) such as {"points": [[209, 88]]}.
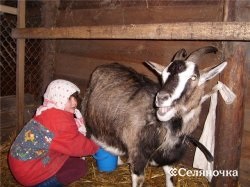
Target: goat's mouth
{"points": [[165, 113], [163, 110]]}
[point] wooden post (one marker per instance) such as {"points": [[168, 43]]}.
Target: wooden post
{"points": [[20, 61], [230, 119], [49, 15]]}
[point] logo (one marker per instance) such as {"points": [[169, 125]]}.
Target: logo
{"points": [[202, 173], [173, 172]]}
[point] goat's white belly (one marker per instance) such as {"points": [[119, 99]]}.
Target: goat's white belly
{"points": [[108, 148]]}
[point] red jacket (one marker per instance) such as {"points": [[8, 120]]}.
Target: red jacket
{"points": [[44, 144]]}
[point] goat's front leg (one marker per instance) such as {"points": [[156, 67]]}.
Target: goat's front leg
{"points": [[137, 171], [168, 173], [137, 180]]}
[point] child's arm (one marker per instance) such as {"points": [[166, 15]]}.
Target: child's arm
{"points": [[71, 142]]}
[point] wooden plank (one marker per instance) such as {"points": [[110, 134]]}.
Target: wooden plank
{"points": [[169, 31], [139, 15], [82, 67], [20, 66], [9, 117], [96, 4], [9, 102], [8, 9], [8, 114], [131, 50], [230, 119], [73, 67]]}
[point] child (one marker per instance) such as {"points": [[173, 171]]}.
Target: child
{"points": [[48, 149]]}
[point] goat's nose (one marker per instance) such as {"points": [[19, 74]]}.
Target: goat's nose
{"points": [[161, 97]]}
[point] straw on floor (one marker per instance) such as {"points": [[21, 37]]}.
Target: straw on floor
{"points": [[154, 176]]}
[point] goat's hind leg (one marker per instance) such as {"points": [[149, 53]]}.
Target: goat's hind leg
{"points": [[168, 172]]}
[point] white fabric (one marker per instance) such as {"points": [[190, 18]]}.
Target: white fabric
{"points": [[207, 138], [227, 94], [208, 135], [57, 95]]}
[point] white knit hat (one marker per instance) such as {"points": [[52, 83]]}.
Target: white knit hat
{"points": [[57, 95], [59, 92]]}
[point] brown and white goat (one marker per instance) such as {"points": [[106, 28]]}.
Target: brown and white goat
{"points": [[128, 114]]}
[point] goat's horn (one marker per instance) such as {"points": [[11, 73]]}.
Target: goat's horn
{"points": [[180, 55], [194, 56]]}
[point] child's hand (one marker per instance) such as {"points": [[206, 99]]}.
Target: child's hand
{"points": [[81, 127], [80, 122], [78, 114]]}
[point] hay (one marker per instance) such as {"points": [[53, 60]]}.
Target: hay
{"points": [[6, 177], [190, 181], [121, 177]]}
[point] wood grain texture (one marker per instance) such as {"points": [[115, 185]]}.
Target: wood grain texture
{"points": [[139, 15], [168, 31], [20, 66], [230, 119]]}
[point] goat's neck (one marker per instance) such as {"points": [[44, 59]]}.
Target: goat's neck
{"points": [[169, 140], [190, 112], [183, 123], [190, 121]]}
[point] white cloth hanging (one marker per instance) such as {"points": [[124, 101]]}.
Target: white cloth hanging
{"points": [[208, 135], [207, 138]]}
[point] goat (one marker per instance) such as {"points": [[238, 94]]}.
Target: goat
{"points": [[128, 114]]}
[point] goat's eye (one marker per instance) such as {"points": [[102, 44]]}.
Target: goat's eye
{"points": [[194, 77]]}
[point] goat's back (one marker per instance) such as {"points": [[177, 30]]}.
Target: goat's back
{"points": [[119, 102]]}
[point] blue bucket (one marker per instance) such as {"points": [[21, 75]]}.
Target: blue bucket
{"points": [[105, 161]]}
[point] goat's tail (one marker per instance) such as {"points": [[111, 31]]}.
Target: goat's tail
{"points": [[196, 143]]}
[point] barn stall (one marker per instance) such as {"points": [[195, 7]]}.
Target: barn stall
{"points": [[68, 39]]}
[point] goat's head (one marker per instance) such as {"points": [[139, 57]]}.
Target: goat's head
{"points": [[182, 81]]}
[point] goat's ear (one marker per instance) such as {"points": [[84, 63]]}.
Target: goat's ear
{"points": [[209, 73], [157, 67]]}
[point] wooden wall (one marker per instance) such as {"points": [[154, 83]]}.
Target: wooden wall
{"points": [[243, 15], [76, 59], [8, 114]]}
